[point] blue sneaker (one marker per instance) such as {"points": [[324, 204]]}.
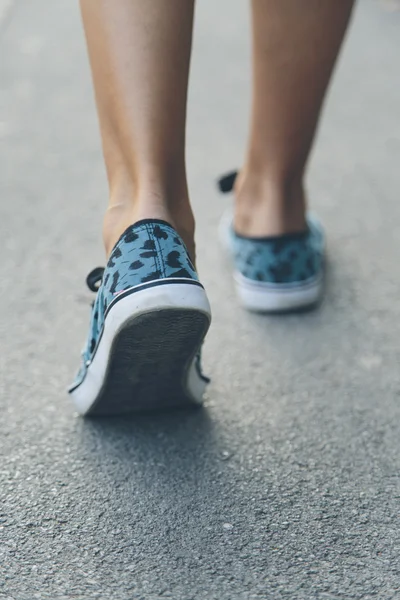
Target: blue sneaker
{"points": [[148, 323], [275, 274]]}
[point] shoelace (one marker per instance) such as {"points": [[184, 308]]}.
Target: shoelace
{"points": [[226, 182], [94, 279]]}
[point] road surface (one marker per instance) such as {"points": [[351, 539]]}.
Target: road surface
{"points": [[288, 484]]}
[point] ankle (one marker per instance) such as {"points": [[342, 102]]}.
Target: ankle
{"points": [[267, 204], [127, 207]]}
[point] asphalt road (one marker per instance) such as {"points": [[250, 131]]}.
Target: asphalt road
{"points": [[288, 484]]}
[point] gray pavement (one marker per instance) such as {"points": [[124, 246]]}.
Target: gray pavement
{"points": [[287, 485]]}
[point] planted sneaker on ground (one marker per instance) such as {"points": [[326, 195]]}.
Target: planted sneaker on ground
{"points": [[278, 273], [148, 322]]}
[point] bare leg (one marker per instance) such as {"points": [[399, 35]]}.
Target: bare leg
{"points": [[295, 45], [140, 54]]}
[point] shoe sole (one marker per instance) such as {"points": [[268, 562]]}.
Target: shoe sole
{"points": [[277, 298], [146, 357]]}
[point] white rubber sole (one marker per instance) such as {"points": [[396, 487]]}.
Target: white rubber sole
{"points": [[146, 356], [275, 298]]}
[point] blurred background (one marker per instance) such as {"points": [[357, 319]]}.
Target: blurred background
{"points": [[287, 485]]}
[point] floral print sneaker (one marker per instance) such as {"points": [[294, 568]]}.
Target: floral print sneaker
{"points": [[148, 322], [279, 273]]}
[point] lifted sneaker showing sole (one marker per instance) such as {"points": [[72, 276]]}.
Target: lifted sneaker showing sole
{"points": [[148, 324], [278, 273]]}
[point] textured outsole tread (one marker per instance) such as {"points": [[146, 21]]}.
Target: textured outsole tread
{"points": [[149, 361]]}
